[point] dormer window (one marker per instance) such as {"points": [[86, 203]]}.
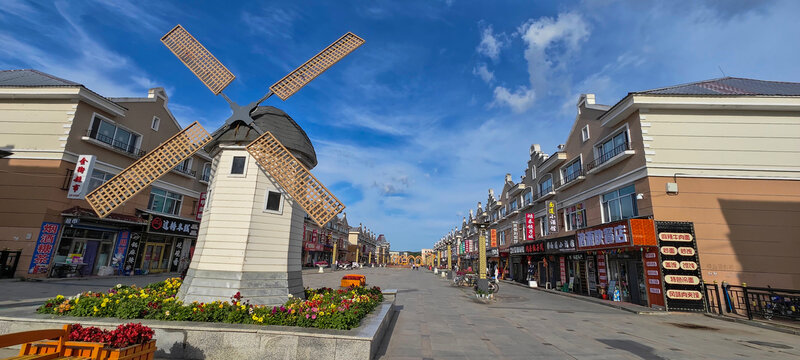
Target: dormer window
{"points": [[546, 186], [155, 123]]}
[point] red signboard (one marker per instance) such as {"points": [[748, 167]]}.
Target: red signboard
{"points": [[563, 266], [611, 235], [201, 204], [78, 184], [602, 274], [653, 277], [494, 237], [530, 227]]}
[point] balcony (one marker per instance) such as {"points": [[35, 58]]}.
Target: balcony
{"points": [[546, 193], [570, 179], [610, 158], [116, 145], [184, 170]]}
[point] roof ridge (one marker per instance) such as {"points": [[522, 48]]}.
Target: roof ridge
{"points": [[680, 85], [55, 77]]}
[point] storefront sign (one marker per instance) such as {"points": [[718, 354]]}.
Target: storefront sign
{"points": [[530, 227], [675, 237], [312, 246], [560, 245], [515, 232], [563, 267], [494, 252], [681, 279], [467, 247], [176, 255], [653, 276], [44, 248], [133, 250], [201, 205], [172, 226], [493, 237], [682, 276], [685, 295], [552, 222], [670, 264], [602, 275], [118, 261], [669, 250], [80, 177], [529, 248], [591, 275], [514, 250], [610, 235]]}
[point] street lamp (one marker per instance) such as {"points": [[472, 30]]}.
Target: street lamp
{"points": [[481, 222]]}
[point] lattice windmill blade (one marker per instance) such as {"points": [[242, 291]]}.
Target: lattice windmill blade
{"points": [[198, 59], [113, 193], [295, 80], [320, 204]]}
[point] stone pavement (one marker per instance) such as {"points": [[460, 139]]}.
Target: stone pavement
{"points": [[438, 321]]}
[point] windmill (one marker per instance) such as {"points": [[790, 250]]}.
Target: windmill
{"points": [[249, 239]]}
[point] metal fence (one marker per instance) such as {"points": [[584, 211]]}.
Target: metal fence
{"points": [[753, 302]]}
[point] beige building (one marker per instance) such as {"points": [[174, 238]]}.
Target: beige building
{"points": [[718, 160], [47, 123]]}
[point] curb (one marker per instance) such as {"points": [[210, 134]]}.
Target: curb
{"points": [[763, 325], [592, 300]]}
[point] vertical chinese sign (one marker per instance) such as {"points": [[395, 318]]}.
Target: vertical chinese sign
{"points": [[44, 248], [80, 177], [133, 250], [562, 266], [683, 284], [653, 277], [552, 222], [530, 227], [118, 261], [201, 205], [493, 237]]}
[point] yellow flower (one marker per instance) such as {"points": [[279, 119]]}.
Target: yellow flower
{"points": [[96, 309], [220, 306], [116, 302], [102, 305]]}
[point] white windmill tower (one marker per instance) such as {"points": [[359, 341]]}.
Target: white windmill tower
{"points": [[251, 233]]}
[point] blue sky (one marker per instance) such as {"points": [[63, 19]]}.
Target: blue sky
{"points": [[445, 97]]}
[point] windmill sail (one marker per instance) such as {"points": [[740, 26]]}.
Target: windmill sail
{"points": [[113, 193], [320, 204], [198, 59]]}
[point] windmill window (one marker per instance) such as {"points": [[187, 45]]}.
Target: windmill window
{"points": [[156, 122], [273, 201], [237, 167]]}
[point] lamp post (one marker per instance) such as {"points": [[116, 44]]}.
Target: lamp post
{"points": [[481, 223]]}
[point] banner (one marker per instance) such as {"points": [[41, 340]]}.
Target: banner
{"points": [[44, 248], [80, 177], [680, 266], [118, 261], [494, 237], [552, 219], [530, 227]]}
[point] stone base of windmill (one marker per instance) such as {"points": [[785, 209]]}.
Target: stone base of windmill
{"points": [[260, 288]]}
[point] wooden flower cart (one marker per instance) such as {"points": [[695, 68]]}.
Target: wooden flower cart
{"points": [[36, 345]]}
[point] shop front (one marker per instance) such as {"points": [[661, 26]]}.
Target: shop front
{"points": [[554, 268], [493, 260], [621, 261], [88, 245], [166, 245]]}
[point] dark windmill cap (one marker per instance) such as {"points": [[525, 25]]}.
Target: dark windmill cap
{"points": [[274, 120]]}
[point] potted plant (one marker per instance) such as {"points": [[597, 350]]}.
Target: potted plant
{"points": [[130, 341]]}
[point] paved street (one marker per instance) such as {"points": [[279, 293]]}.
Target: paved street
{"points": [[437, 321]]}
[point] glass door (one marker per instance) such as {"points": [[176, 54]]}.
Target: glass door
{"points": [[155, 258]]}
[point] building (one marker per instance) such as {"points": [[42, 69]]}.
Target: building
{"points": [[667, 188], [48, 124], [365, 247], [318, 243]]}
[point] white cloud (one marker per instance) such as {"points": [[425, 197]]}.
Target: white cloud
{"points": [[520, 100], [273, 22], [484, 73], [549, 44], [491, 44]]}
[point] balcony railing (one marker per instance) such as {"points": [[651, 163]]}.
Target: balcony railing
{"points": [[116, 144], [568, 178], [607, 156], [185, 170]]}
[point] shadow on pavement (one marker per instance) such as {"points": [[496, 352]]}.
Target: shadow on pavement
{"points": [[633, 347], [388, 334]]}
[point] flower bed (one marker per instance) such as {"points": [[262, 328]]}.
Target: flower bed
{"points": [[323, 308], [129, 341]]}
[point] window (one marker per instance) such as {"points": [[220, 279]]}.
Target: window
{"points": [[620, 204], [528, 196], [165, 201], [514, 204], [98, 178], [185, 166], [612, 147], [206, 175], [273, 201], [155, 123], [502, 212], [575, 217], [585, 133], [546, 186], [572, 171], [502, 235], [238, 165], [109, 133], [541, 224]]}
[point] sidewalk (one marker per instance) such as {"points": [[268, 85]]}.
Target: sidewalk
{"points": [[633, 308]]}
